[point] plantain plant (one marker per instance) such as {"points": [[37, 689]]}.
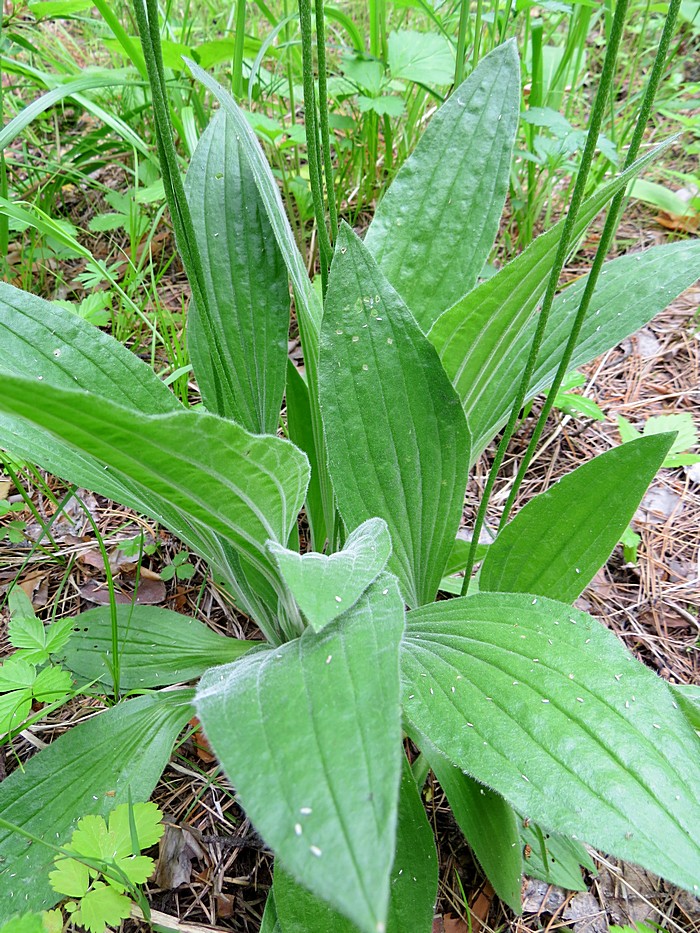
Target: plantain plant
{"points": [[541, 727]]}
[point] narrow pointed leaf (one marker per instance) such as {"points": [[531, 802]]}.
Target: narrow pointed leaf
{"points": [[157, 647], [329, 814], [414, 879], [489, 825], [551, 711], [325, 586], [398, 444], [47, 343], [107, 760], [301, 433], [630, 292], [556, 544], [307, 304], [414, 875], [476, 334], [246, 281], [270, 922], [180, 468], [435, 226]]}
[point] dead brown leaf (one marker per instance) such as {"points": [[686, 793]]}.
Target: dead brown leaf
{"points": [[150, 593], [586, 914], [177, 850]]}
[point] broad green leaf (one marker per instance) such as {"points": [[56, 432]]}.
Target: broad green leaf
{"points": [[185, 469], [435, 226], [301, 433], [425, 57], [489, 825], [96, 765], [246, 280], [308, 306], [325, 586], [555, 545], [414, 879], [47, 343], [543, 704], [329, 814], [553, 858], [157, 647], [398, 444], [299, 911], [475, 336]]}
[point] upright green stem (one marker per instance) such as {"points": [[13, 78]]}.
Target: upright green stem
{"points": [[290, 83], [599, 106], [238, 45], [312, 144], [4, 219], [606, 239], [477, 32], [461, 41], [323, 113], [185, 237]]}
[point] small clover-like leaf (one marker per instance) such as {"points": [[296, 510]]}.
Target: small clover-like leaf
{"points": [[102, 907], [51, 684], [14, 707], [92, 839], [58, 633], [137, 868], [147, 820], [28, 634], [70, 877], [16, 674]]}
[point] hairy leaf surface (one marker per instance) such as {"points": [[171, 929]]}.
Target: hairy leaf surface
{"points": [[181, 468], [48, 343], [414, 879], [96, 765], [308, 305], [325, 586], [558, 541], [398, 444], [489, 825], [157, 647], [476, 334], [545, 705], [434, 227], [246, 280], [329, 813]]}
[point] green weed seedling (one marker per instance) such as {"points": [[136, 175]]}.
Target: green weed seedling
{"points": [[179, 568], [27, 676], [534, 717], [108, 864]]}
